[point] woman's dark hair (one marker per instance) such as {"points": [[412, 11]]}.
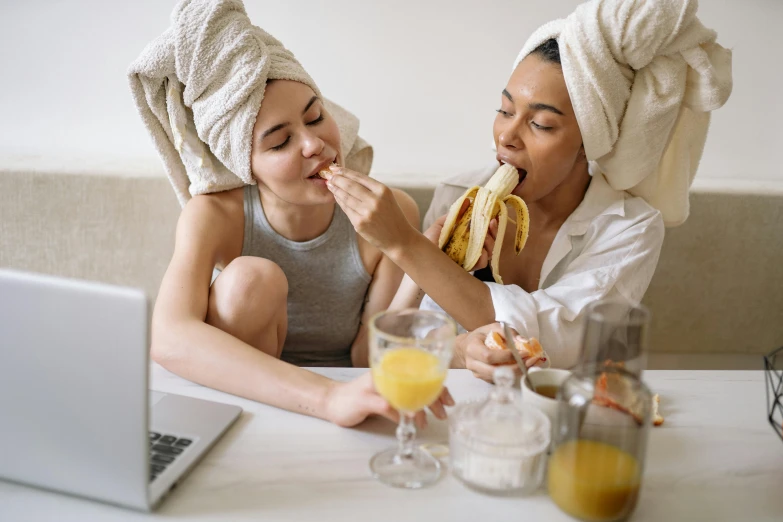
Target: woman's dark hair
{"points": [[548, 51]]}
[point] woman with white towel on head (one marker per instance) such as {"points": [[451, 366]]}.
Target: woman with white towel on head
{"points": [[243, 132], [604, 116]]}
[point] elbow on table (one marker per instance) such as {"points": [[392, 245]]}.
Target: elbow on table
{"points": [[162, 353], [166, 346]]}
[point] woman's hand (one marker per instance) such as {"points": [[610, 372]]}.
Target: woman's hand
{"points": [[372, 209], [474, 355], [350, 403], [433, 234]]}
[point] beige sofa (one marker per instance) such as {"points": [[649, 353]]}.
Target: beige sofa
{"points": [[716, 298]]}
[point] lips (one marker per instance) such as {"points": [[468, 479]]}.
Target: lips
{"points": [[324, 165]]}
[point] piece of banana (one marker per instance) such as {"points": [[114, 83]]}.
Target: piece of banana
{"points": [[463, 239], [326, 173]]}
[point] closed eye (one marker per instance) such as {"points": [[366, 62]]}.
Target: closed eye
{"points": [[279, 147], [504, 113], [316, 121], [540, 127]]}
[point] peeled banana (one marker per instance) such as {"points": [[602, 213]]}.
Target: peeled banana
{"points": [[462, 238]]}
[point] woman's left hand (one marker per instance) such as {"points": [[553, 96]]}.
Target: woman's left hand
{"points": [[372, 209], [350, 403]]}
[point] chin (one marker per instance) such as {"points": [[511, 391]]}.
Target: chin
{"points": [[318, 198]]}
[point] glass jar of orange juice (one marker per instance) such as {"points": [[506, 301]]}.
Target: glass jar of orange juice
{"points": [[595, 469]]}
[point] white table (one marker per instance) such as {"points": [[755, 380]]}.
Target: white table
{"points": [[715, 458]]}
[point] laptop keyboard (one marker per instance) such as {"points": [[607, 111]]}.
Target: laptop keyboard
{"points": [[164, 449]]}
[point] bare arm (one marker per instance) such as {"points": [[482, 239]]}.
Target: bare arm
{"points": [[384, 285], [461, 295], [410, 294], [185, 344]]}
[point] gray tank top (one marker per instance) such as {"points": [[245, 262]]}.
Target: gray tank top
{"points": [[327, 284]]}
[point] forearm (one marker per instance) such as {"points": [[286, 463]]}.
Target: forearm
{"points": [[409, 295], [206, 355], [461, 295], [360, 352]]}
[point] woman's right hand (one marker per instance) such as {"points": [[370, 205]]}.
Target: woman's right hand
{"points": [[433, 234], [472, 353], [350, 403]]}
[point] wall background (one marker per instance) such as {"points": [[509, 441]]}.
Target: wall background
{"points": [[424, 77]]}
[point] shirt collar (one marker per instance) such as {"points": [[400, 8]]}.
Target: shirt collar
{"points": [[600, 200]]}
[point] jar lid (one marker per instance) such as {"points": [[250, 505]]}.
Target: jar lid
{"points": [[503, 422]]}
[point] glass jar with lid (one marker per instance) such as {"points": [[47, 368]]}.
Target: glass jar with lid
{"points": [[499, 445]]}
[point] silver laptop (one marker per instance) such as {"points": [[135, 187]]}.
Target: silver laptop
{"points": [[75, 412]]}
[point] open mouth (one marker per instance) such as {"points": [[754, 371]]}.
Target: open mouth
{"points": [[522, 172], [322, 168]]}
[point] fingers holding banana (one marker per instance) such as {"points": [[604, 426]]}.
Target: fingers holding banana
{"points": [[489, 246]]}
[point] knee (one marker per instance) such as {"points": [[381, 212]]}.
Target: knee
{"points": [[249, 286]]}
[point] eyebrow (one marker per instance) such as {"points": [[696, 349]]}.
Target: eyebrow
{"points": [[536, 106], [283, 125], [273, 129], [310, 104]]}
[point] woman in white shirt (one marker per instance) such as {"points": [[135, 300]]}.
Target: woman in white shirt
{"points": [[587, 240], [607, 247]]}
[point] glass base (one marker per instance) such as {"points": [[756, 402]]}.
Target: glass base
{"points": [[415, 471]]}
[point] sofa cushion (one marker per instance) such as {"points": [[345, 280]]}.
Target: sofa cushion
{"points": [[717, 288]]}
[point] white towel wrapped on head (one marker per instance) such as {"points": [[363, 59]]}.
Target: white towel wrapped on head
{"points": [[643, 76], [199, 86]]}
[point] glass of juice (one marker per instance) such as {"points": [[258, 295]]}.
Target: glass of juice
{"points": [[410, 353], [595, 470]]}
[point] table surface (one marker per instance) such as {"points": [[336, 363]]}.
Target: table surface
{"points": [[715, 458]]}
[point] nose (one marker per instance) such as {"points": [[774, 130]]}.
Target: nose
{"points": [[509, 136], [312, 145]]}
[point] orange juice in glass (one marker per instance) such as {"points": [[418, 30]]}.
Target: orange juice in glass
{"points": [[409, 378], [592, 480], [597, 461], [410, 352]]}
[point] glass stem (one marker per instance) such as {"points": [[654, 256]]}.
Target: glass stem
{"points": [[406, 433]]}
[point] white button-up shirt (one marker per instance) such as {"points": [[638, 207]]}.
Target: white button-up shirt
{"points": [[607, 248]]}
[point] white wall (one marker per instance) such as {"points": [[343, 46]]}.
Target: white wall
{"points": [[424, 77]]}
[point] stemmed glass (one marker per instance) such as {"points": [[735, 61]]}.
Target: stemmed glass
{"points": [[410, 353]]}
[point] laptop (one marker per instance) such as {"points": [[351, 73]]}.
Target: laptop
{"points": [[75, 412]]}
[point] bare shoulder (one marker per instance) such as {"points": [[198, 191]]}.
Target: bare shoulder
{"points": [[220, 205], [214, 220], [408, 206]]}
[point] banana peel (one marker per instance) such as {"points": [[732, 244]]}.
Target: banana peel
{"points": [[462, 237]]}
